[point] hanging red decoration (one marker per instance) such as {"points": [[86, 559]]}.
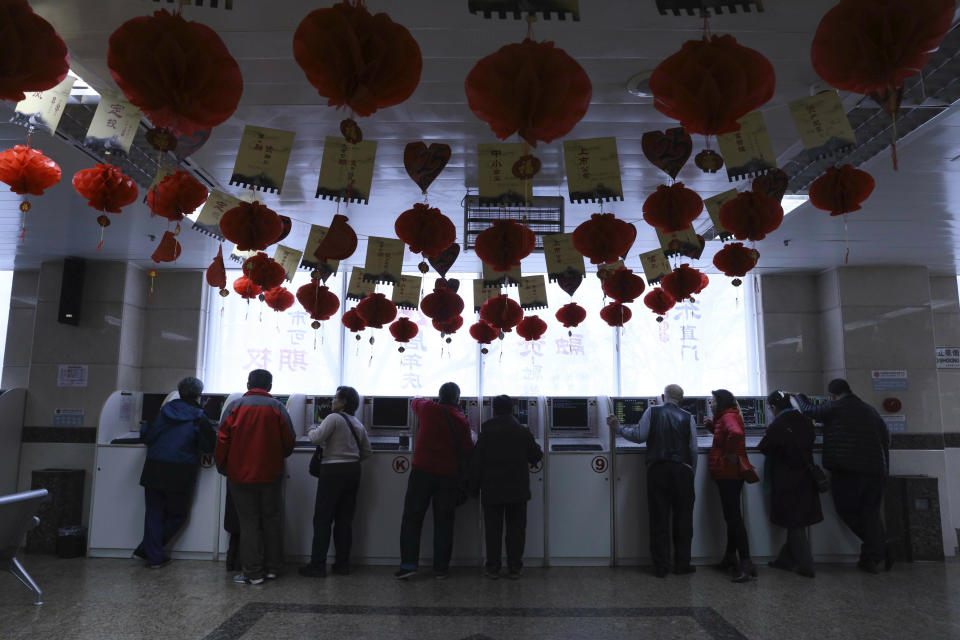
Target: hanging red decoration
{"points": [[530, 88], [448, 326], [735, 260], [28, 171], [484, 332], [352, 321], [404, 329], [176, 195], [751, 215], [355, 59], [501, 312], [217, 273], [623, 285], [616, 314], [318, 301], [504, 244], [264, 271], [672, 208], [711, 83], [105, 187], [659, 301], [443, 304], [178, 72], [377, 310], [339, 243], [531, 328], [278, 298], [604, 238], [425, 230], [841, 190], [251, 226], [571, 315], [683, 282], [245, 288], [168, 250], [34, 56]]}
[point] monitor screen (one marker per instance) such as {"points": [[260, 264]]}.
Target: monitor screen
{"points": [[322, 407], [151, 406], [570, 414], [390, 413], [751, 409], [212, 405], [283, 399], [629, 410], [697, 407], [520, 408]]}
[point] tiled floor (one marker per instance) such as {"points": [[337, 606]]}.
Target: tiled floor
{"points": [[194, 599]]}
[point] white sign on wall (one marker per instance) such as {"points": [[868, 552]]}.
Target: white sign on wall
{"points": [[889, 379], [896, 424], [72, 375], [948, 357]]}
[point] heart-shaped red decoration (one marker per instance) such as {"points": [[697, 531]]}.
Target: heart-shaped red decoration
{"points": [[668, 150], [569, 285], [445, 259], [773, 184], [452, 283], [423, 163]]}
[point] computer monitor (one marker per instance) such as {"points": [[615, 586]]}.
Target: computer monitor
{"points": [[630, 410], [569, 414], [150, 406], [521, 410], [752, 411], [213, 405], [322, 407], [283, 399], [697, 407], [389, 413]]}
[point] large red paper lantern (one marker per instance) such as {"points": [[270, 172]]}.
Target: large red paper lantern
{"points": [[841, 190], [352, 321], [442, 304], [105, 187], [425, 230], [604, 238], [246, 288], [484, 332], [168, 250], [659, 301], [672, 208], [616, 314], [34, 57], [531, 328], [251, 226], [216, 273], [571, 315], [504, 244], [27, 170], [318, 301], [339, 243], [735, 260], [711, 83], [404, 329], [531, 88], [354, 59], [683, 282], [501, 312], [449, 325], [377, 310], [751, 215], [278, 299], [176, 195], [178, 72], [264, 271], [623, 285]]}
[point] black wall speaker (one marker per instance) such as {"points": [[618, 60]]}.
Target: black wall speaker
{"points": [[71, 291]]}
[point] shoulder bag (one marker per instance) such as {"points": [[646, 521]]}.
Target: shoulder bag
{"points": [[316, 460], [820, 478], [463, 467]]}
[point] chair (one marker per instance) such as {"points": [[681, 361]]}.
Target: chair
{"points": [[16, 518]]}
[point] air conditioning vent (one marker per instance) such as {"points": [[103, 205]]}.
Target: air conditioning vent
{"points": [[544, 216]]}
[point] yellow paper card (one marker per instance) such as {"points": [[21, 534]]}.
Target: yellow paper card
{"points": [[593, 170], [114, 124], [42, 110], [655, 265], [359, 288], [261, 162], [384, 260], [533, 292], [500, 278], [748, 152], [822, 124], [713, 205], [563, 261], [240, 256], [406, 293], [310, 261], [680, 243], [603, 270], [289, 258], [497, 184], [346, 170], [482, 293], [217, 204]]}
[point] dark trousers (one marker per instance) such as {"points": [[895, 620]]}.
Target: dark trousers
{"points": [[670, 498], [259, 510], [165, 514], [795, 552], [736, 530], [858, 499], [334, 508], [515, 515], [422, 489]]}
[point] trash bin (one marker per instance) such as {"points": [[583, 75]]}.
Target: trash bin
{"points": [[71, 542]]}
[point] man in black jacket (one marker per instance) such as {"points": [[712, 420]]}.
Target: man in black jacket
{"points": [[503, 452], [856, 451]]}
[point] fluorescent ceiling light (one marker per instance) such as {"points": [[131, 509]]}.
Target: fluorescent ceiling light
{"points": [[789, 203], [80, 87]]}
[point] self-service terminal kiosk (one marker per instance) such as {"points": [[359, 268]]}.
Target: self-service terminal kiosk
{"points": [[630, 516]]}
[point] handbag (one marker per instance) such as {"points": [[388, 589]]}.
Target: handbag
{"points": [[747, 472], [819, 476], [316, 460], [463, 469]]}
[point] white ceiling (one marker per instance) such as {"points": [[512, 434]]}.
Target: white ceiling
{"points": [[912, 218]]}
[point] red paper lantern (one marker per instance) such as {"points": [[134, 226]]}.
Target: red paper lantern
{"points": [[683, 282], [168, 250], [425, 230], [841, 190], [318, 300], [27, 170], [246, 288], [176, 195], [217, 273], [448, 326], [264, 271], [352, 321], [751, 215], [531, 328], [34, 56], [659, 301], [483, 332], [278, 299], [531, 88], [354, 59], [504, 244], [571, 314], [179, 73], [105, 187], [623, 285], [404, 329], [616, 314], [251, 226], [735, 260], [339, 243], [501, 312], [441, 305], [604, 238], [711, 83], [376, 310], [672, 208]]}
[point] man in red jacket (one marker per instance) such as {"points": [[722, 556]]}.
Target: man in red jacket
{"points": [[255, 436], [442, 439]]}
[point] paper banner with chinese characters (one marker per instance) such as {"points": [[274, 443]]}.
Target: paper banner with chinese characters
{"points": [[518, 9], [713, 205], [497, 184], [680, 243], [240, 256], [346, 170], [823, 125], [217, 204], [482, 293], [114, 124], [493, 278], [593, 170], [748, 152], [533, 292], [358, 288], [563, 261], [603, 270], [406, 293], [261, 162], [289, 259], [310, 261], [42, 110], [655, 265], [384, 260]]}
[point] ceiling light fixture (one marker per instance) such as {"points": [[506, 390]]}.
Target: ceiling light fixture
{"points": [[791, 202]]}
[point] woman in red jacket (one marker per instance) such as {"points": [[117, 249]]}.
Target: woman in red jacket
{"points": [[727, 455]]}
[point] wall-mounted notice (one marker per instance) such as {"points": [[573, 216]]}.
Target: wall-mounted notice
{"points": [[68, 417], [889, 379], [895, 424], [948, 357], [72, 375]]}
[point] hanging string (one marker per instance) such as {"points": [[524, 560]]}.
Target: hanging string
{"points": [[846, 241]]}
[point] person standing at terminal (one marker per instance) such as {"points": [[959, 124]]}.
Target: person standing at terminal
{"points": [[671, 437], [255, 436], [794, 498], [504, 451], [856, 451], [443, 440], [345, 444], [175, 439]]}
